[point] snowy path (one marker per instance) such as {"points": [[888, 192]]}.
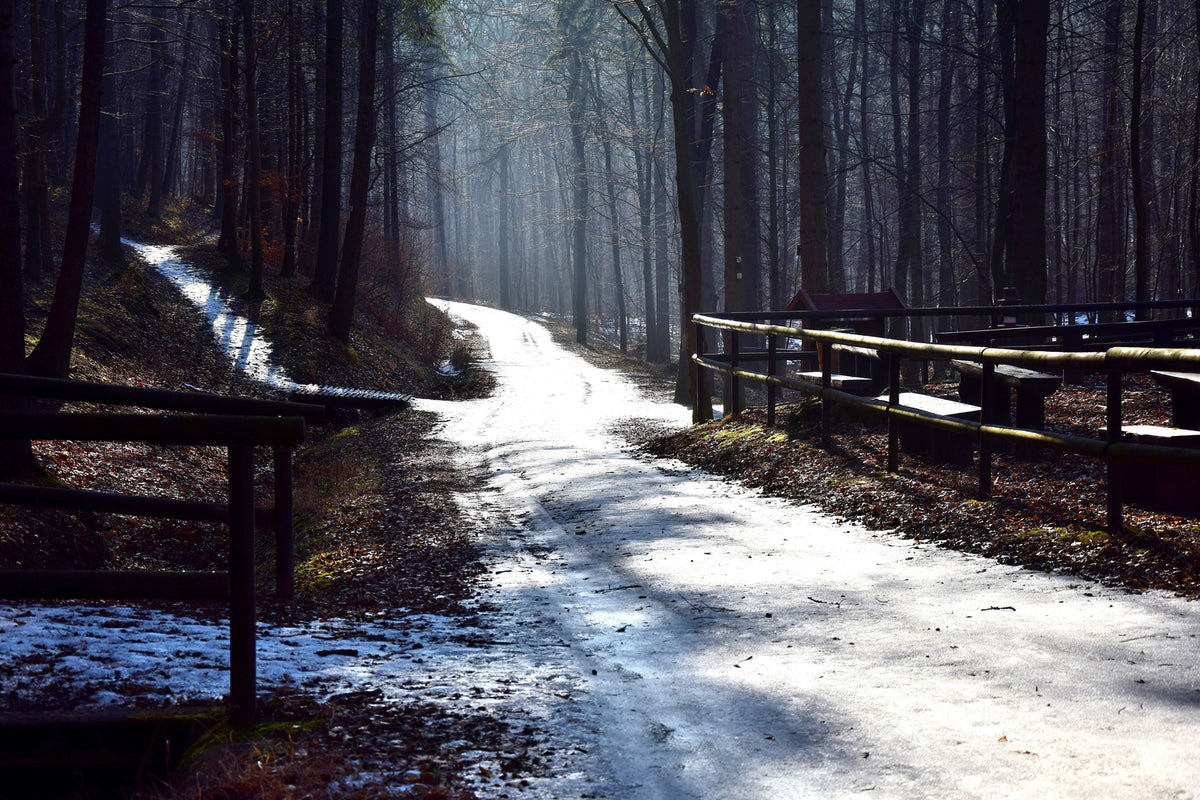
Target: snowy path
{"points": [[725, 645]]}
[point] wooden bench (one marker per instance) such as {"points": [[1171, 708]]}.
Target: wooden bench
{"points": [[946, 446], [1031, 387], [862, 362], [1161, 487], [1185, 396], [850, 384]]}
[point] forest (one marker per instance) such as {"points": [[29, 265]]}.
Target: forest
{"points": [[623, 163]]}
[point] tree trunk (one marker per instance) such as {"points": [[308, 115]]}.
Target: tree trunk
{"points": [[227, 243], [864, 124], [325, 269], [254, 166], [37, 198], [662, 224], [1026, 238], [505, 198], [108, 175], [775, 301], [1141, 226], [642, 160], [951, 33], [171, 162], [1110, 260], [16, 456], [441, 259], [743, 265], [810, 172], [292, 148], [52, 355], [614, 234], [342, 314], [835, 210], [152, 157], [579, 190]]}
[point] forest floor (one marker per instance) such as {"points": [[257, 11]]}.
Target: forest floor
{"points": [[376, 508]]}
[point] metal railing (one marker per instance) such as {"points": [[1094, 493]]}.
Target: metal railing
{"points": [[1113, 363]]}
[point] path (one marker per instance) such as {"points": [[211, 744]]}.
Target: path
{"points": [[724, 645]]}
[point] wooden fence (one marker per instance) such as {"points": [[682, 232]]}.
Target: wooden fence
{"points": [[238, 424], [1114, 363]]}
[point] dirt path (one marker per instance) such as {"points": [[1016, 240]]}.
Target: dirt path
{"points": [[689, 639]]}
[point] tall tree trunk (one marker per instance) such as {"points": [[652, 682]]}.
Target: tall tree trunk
{"points": [[171, 162], [254, 160], [52, 355], [16, 456], [810, 173], [37, 198], [1141, 226], [325, 269], [614, 232], [437, 200], [152, 157], [835, 201], [1026, 238], [743, 265], [662, 224], [292, 148], [864, 155], [980, 116], [108, 174], [579, 186], [951, 33], [1110, 258], [342, 314], [505, 199], [775, 301], [1193, 222], [227, 243], [910, 225], [642, 159]]}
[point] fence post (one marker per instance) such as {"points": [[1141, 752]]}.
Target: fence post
{"points": [[1116, 517], [893, 364], [241, 585], [285, 540], [986, 412], [826, 382], [770, 386], [735, 383]]}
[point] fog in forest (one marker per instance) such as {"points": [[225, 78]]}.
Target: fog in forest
{"points": [[622, 163]]}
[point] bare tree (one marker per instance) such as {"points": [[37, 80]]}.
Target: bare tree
{"points": [[342, 314], [52, 354]]}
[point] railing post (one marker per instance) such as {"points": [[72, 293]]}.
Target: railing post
{"points": [[986, 412], [826, 382], [893, 364], [770, 386], [285, 540], [241, 585], [1116, 520], [735, 383]]}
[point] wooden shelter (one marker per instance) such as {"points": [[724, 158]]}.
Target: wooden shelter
{"points": [[861, 309], [863, 315]]}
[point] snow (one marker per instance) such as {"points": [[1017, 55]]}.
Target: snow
{"points": [[674, 636], [240, 338]]}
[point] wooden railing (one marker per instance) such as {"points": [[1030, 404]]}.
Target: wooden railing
{"points": [[1114, 363], [238, 424]]}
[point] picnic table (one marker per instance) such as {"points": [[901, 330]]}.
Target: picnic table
{"points": [[1185, 396], [1031, 389]]}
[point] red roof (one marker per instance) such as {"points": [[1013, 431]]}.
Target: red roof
{"points": [[860, 301]]}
